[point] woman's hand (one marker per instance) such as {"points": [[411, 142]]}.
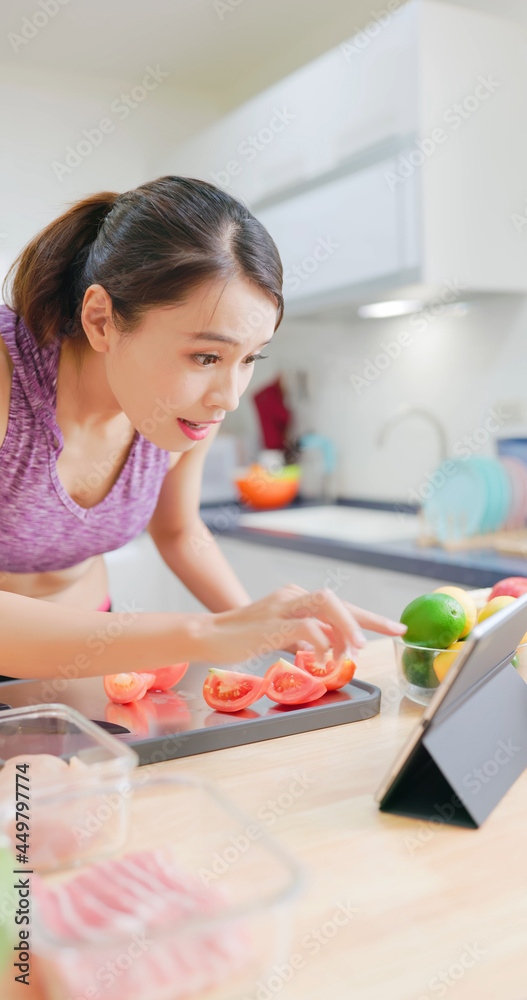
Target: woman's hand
{"points": [[366, 619], [289, 618]]}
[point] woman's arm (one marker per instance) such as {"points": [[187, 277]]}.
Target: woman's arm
{"points": [[197, 560], [43, 639], [184, 541], [40, 639]]}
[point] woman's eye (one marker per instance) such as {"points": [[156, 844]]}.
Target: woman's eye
{"points": [[206, 359], [255, 357]]}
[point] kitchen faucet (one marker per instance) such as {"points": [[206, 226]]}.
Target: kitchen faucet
{"points": [[408, 411]]}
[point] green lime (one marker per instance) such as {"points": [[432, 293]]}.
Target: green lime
{"points": [[418, 668], [515, 661], [434, 621]]}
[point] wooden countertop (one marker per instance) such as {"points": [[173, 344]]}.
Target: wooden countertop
{"points": [[433, 910]]}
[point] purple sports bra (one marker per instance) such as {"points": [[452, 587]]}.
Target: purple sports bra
{"points": [[41, 527]]}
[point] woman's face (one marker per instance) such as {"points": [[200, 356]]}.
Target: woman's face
{"points": [[185, 364]]}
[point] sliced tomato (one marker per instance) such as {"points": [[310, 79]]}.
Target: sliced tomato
{"points": [[230, 690], [149, 678], [166, 677], [291, 685], [344, 672], [334, 673], [124, 688]]}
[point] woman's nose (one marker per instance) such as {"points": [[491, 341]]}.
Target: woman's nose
{"points": [[224, 393]]}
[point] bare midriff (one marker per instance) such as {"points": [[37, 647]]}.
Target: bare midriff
{"points": [[82, 586]]}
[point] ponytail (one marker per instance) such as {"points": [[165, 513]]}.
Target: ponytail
{"points": [[147, 247], [40, 284]]}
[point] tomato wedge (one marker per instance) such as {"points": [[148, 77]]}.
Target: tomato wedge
{"points": [[166, 677], [334, 674], [124, 688], [290, 685], [230, 690], [149, 678]]}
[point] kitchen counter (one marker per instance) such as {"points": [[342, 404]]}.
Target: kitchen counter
{"points": [[420, 901], [471, 568]]}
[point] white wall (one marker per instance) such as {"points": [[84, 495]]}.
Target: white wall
{"points": [[42, 114], [459, 368]]}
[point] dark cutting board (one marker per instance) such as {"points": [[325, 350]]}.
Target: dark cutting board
{"points": [[179, 723]]}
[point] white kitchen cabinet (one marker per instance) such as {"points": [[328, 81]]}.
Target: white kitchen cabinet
{"points": [[320, 249], [346, 101], [414, 130]]}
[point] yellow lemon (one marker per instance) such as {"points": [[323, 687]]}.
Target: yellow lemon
{"points": [[468, 605], [496, 604], [444, 661]]}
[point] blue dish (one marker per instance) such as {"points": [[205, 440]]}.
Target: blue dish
{"points": [[458, 507], [499, 492]]}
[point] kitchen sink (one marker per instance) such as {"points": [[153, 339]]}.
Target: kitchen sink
{"points": [[350, 524]]}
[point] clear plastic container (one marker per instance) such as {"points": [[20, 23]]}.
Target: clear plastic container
{"points": [[80, 759], [219, 955]]}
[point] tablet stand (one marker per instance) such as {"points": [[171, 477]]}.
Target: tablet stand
{"points": [[468, 757]]}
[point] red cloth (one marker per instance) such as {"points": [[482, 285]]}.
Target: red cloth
{"points": [[274, 415]]}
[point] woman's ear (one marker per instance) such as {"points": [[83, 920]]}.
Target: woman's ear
{"points": [[96, 318]]}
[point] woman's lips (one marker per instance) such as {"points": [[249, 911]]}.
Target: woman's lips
{"points": [[196, 432]]}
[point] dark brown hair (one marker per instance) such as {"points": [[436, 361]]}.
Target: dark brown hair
{"points": [[147, 247]]}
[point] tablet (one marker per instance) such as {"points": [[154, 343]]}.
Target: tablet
{"points": [[470, 744]]}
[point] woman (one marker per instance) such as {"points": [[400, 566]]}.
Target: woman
{"points": [[133, 326]]}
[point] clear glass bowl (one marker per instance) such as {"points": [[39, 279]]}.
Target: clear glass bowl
{"points": [[253, 879], [83, 762], [415, 670]]}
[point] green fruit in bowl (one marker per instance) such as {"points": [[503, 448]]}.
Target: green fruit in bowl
{"points": [[418, 667], [288, 472], [433, 620]]}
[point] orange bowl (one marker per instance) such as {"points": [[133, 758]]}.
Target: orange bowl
{"points": [[266, 493]]}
